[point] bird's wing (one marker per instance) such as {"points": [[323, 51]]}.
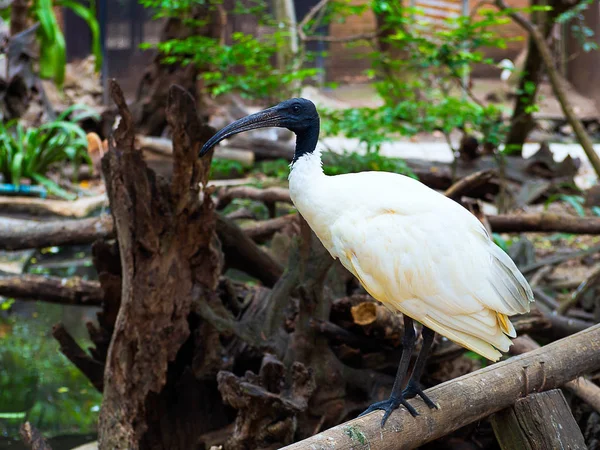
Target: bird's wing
{"points": [[439, 266]]}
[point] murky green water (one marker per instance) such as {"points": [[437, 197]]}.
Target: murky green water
{"points": [[37, 383]]}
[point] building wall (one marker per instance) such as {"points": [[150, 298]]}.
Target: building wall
{"points": [[348, 63]]}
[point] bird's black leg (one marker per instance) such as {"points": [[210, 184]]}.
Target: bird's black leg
{"points": [[413, 388], [396, 398]]}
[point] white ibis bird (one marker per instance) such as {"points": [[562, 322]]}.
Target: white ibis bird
{"points": [[411, 248]]}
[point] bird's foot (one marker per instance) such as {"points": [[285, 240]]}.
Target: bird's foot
{"points": [[413, 389], [388, 406]]}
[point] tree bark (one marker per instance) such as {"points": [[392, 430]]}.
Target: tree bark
{"points": [[154, 397], [467, 399]]}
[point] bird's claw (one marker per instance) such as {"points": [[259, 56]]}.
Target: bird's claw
{"points": [[413, 389], [388, 406]]}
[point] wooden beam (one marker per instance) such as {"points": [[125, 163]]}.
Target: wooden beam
{"points": [[538, 422], [467, 399]]}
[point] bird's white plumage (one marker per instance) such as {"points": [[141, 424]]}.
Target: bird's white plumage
{"points": [[416, 251]]}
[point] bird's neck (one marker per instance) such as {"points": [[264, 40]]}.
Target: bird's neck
{"points": [[306, 142]]}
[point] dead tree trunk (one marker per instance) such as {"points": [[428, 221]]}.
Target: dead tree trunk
{"points": [[154, 393]]}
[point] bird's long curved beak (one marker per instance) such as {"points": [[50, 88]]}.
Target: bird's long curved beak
{"points": [[263, 119]]}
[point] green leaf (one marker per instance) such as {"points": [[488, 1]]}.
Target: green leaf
{"points": [[89, 16]]}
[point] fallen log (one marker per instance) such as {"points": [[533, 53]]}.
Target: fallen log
{"points": [[48, 207], [544, 222], [467, 399], [16, 234], [65, 291]]}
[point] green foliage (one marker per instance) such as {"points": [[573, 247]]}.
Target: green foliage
{"points": [[575, 201], [30, 153], [351, 162], [225, 168], [244, 66], [419, 77], [336, 164], [53, 56], [574, 16], [37, 383]]}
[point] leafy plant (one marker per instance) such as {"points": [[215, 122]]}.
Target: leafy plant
{"points": [[418, 72], [575, 201], [335, 164], [53, 57], [245, 65], [30, 153], [225, 168]]}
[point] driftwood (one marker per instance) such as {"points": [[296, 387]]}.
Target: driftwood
{"points": [[467, 399], [47, 207], [538, 422], [18, 234], [66, 291], [581, 387], [33, 438]]}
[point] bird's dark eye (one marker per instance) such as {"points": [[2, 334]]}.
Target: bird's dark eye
{"points": [[296, 109]]}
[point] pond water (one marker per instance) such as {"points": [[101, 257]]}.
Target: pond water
{"points": [[37, 383]]}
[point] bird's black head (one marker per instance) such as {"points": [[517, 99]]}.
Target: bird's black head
{"points": [[297, 114]]}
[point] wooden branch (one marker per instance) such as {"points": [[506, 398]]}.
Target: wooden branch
{"points": [[468, 183], [268, 195], [92, 369], [467, 399], [582, 288], [544, 222], [65, 291], [18, 234], [33, 438], [581, 387], [82, 207], [242, 253], [557, 85], [538, 422], [261, 231]]}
